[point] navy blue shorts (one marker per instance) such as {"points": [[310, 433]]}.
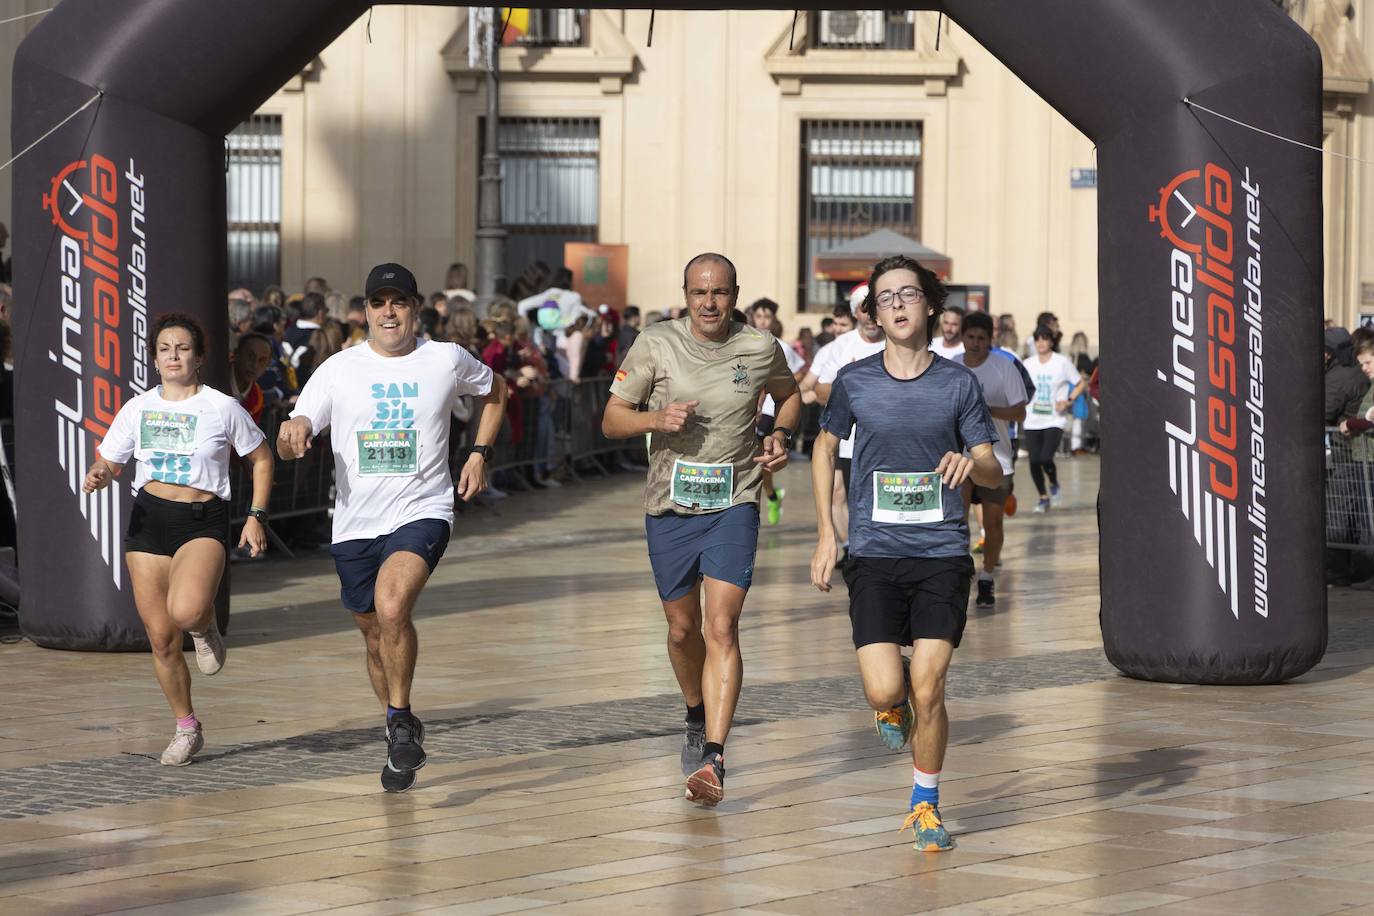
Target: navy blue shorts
{"points": [[358, 562], [683, 548]]}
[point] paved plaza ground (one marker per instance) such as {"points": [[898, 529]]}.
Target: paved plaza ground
{"points": [[553, 725]]}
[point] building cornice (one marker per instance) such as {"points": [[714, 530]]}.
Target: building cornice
{"points": [[792, 62]]}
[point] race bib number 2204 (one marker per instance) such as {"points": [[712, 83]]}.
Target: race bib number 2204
{"points": [[703, 486]]}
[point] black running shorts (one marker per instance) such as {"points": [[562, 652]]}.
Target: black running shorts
{"points": [[162, 526], [901, 600]]}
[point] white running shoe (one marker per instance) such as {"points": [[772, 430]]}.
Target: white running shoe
{"points": [[186, 743], [210, 649]]}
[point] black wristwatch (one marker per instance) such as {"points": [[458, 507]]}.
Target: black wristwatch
{"points": [[786, 435], [483, 450], [259, 514]]}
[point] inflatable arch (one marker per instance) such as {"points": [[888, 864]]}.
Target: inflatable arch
{"points": [[1210, 266]]}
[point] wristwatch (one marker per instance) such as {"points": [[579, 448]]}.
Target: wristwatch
{"points": [[786, 435], [483, 450], [259, 514]]}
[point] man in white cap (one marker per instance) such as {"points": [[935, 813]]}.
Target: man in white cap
{"points": [[865, 340]]}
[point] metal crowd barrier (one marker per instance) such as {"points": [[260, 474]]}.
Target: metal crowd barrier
{"points": [[558, 427], [299, 488], [1349, 491]]}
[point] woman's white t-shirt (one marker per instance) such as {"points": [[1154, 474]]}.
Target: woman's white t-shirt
{"points": [[181, 442], [390, 422], [1053, 379]]}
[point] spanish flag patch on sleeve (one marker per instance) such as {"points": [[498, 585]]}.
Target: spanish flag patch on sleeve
{"points": [[620, 375]]}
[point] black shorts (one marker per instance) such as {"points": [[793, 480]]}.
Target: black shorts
{"points": [[901, 600], [162, 526], [843, 466], [358, 562], [996, 496]]}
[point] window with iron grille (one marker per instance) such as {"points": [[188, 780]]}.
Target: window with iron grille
{"points": [[550, 171], [544, 28], [857, 177], [888, 30], [253, 202]]}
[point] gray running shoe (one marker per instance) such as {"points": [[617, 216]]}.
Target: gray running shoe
{"points": [[210, 650], [693, 746], [186, 743]]}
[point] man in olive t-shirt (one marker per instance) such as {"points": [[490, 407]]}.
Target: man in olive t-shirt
{"points": [[701, 377]]}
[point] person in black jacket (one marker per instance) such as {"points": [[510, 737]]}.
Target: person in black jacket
{"points": [[1345, 383]]}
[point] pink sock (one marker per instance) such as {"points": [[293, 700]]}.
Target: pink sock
{"points": [[188, 722]]}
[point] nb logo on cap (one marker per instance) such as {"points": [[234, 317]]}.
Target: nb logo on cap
{"points": [[388, 276]]}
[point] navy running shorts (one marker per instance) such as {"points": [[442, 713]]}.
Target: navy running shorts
{"points": [[901, 600], [684, 548], [358, 562]]}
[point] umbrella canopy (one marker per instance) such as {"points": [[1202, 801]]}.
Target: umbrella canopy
{"points": [[854, 259]]}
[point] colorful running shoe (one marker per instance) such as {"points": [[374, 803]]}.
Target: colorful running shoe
{"points": [[775, 507], [693, 745], [706, 786], [931, 835], [978, 548], [894, 725], [1056, 495], [1043, 505]]}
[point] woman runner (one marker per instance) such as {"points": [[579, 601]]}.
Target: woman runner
{"points": [[181, 432]]}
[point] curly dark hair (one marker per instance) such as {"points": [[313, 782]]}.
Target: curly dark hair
{"points": [[934, 290], [177, 320]]}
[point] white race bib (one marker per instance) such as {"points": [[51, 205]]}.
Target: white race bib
{"points": [[908, 498]]}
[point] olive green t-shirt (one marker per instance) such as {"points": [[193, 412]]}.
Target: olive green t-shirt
{"points": [[708, 466]]}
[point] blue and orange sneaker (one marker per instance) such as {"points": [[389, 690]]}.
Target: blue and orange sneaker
{"points": [[895, 725], [931, 835]]}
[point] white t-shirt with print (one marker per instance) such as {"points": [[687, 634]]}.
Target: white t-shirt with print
{"points": [[1002, 387], [181, 442], [1053, 379], [849, 347], [795, 364], [389, 418]]}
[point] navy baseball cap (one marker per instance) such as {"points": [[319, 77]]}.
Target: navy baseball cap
{"points": [[391, 276]]}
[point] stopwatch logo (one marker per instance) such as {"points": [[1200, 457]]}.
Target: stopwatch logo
{"points": [[62, 193]]}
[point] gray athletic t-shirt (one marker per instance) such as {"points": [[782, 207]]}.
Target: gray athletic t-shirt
{"points": [[897, 507]]}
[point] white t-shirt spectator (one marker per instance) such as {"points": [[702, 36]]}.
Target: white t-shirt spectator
{"points": [[1002, 387], [181, 442], [849, 347], [390, 421], [938, 346], [795, 364], [1053, 379]]}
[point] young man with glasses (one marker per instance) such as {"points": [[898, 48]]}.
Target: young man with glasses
{"points": [[387, 403], [701, 377], [923, 429]]}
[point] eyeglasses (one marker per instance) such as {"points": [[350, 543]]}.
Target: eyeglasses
{"points": [[910, 295]]}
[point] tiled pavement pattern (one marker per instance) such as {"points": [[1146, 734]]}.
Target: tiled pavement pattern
{"points": [[1069, 789], [73, 785]]}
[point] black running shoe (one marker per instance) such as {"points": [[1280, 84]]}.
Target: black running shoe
{"points": [[394, 780], [985, 596], [404, 734], [706, 786]]}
